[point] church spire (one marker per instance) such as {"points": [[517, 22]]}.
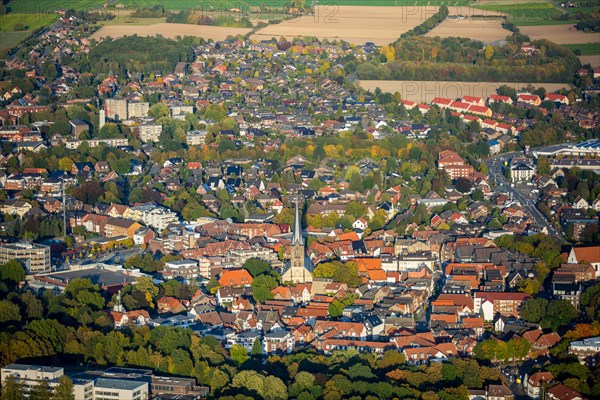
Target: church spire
{"points": [[297, 234]]}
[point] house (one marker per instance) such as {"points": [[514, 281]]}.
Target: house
{"points": [[360, 224], [535, 383], [587, 351], [562, 392], [529, 98], [16, 207], [588, 254], [169, 304], [498, 392], [504, 303], [581, 203], [278, 342], [235, 278]]}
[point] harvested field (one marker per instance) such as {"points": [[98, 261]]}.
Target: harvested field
{"points": [[594, 61], [425, 91], [485, 30], [560, 34], [169, 30], [380, 25]]}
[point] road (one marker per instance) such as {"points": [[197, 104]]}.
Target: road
{"points": [[494, 165]]}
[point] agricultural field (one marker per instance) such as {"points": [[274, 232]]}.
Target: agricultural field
{"points": [[523, 13], [12, 39], [25, 22], [380, 25], [426, 91], [485, 30], [51, 5], [594, 60], [560, 34], [169, 31], [586, 49]]}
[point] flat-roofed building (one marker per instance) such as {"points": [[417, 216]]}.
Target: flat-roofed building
{"points": [[137, 109], [119, 389], [186, 269], [35, 257]]}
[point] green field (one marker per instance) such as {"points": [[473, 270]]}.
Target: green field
{"points": [[587, 49], [12, 39], [10, 22], [525, 11], [538, 22], [36, 6]]}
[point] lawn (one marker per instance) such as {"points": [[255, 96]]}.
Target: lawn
{"points": [[526, 13], [538, 22], [587, 49], [10, 22], [44, 6], [12, 39]]}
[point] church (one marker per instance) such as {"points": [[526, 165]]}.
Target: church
{"points": [[298, 269]]}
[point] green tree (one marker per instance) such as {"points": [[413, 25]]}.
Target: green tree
{"points": [[238, 354], [257, 267], [558, 313], [257, 349], [41, 391], [9, 312], [534, 310], [262, 286], [12, 389], [12, 272], [64, 389]]}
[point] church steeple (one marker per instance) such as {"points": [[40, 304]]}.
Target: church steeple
{"points": [[297, 233]]}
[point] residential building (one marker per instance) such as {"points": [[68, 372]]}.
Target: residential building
{"points": [[186, 269], [150, 132], [278, 342], [115, 109], [137, 109], [587, 351], [34, 257], [535, 383], [503, 303]]}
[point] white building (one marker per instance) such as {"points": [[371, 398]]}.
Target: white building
{"points": [[117, 389], [186, 269], [151, 214], [31, 375], [195, 138], [150, 132], [137, 109]]}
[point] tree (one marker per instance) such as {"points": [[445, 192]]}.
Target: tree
{"points": [[12, 389], [41, 391], [257, 267], [463, 185], [558, 313], [238, 354], [12, 272], [64, 390], [489, 52], [9, 312], [534, 310], [262, 286], [257, 349], [65, 164], [391, 358], [590, 300]]}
